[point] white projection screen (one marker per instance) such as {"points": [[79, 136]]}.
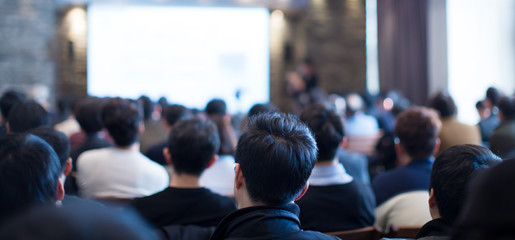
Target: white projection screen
{"points": [[190, 55]]}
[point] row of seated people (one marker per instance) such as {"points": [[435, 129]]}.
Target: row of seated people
{"points": [[121, 118]]}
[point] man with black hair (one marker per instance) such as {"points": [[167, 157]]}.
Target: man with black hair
{"points": [[171, 114], [25, 116], [216, 106], [502, 141], [120, 173], [335, 201], [154, 131], [453, 132], [192, 147], [401, 193], [451, 173], [29, 174], [274, 158], [8, 100]]}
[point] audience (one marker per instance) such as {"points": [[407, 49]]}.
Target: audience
{"points": [[25, 116], [274, 158], [7, 102], [452, 171], [29, 174], [358, 122], [154, 130], [335, 201], [69, 125], [192, 147], [120, 173], [502, 141], [453, 132], [401, 193], [216, 106], [488, 125]]}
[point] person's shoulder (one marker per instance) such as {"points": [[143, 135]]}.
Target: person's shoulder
{"points": [[155, 198], [92, 155], [224, 201]]}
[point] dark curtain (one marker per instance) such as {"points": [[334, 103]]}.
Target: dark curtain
{"points": [[402, 47]]}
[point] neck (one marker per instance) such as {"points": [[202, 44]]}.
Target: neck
{"points": [[324, 163], [184, 180], [243, 199], [132, 147]]}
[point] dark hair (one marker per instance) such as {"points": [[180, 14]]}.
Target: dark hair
{"points": [[77, 222], [494, 95], [8, 100], [148, 106], [480, 105], [276, 154], [29, 172], [327, 127], [192, 144], [57, 140], [417, 129], [262, 108], [121, 118], [507, 107], [451, 172], [444, 104], [488, 211], [216, 106], [228, 138], [87, 115], [27, 115], [173, 113]]}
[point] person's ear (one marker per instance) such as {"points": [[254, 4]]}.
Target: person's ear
{"points": [[399, 150], [432, 199], [7, 128], [168, 157], [239, 179], [68, 167], [141, 128], [212, 161], [343, 144], [60, 190], [304, 190], [437, 146]]}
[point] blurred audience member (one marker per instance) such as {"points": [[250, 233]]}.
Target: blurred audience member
{"points": [[488, 125], [7, 102], [502, 141], [154, 130], [358, 123], [68, 124], [25, 116]]}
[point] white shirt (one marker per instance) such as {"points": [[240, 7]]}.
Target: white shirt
{"points": [[329, 175], [406, 209], [219, 178], [119, 173]]}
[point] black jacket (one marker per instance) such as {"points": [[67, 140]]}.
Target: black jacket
{"points": [[436, 229], [265, 222]]}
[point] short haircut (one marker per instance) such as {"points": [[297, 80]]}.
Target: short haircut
{"points": [[276, 154], [192, 144], [87, 114], [262, 108], [507, 107], [148, 106], [77, 222], [480, 105], [452, 170], [27, 115], [327, 127], [444, 104], [216, 106], [121, 118], [174, 113], [8, 100], [29, 172], [417, 129], [494, 95], [57, 140]]}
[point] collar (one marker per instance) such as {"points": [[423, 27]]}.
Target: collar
{"points": [[329, 175], [435, 227]]}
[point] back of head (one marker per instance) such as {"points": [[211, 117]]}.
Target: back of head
{"points": [[57, 140], [216, 106], [262, 108], [29, 171], [174, 113], [148, 106], [226, 132], [27, 115], [77, 222], [417, 129], [8, 100], [354, 103], [87, 114], [507, 107], [192, 144], [452, 170], [121, 118], [327, 127], [276, 154], [488, 211], [444, 104], [493, 95]]}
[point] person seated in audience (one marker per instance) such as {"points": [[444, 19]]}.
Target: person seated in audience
{"points": [[154, 130], [25, 116], [488, 125], [358, 123], [502, 141], [68, 124], [258, 108], [453, 132], [274, 158], [401, 193], [335, 201], [77, 222], [171, 114], [219, 178], [7, 102], [216, 106], [121, 172], [29, 174], [452, 171], [192, 147]]}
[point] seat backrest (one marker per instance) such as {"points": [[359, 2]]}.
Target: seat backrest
{"points": [[366, 233], [403, 231]]}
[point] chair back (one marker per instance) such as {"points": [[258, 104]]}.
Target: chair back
{"points": [[366, 233]]}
